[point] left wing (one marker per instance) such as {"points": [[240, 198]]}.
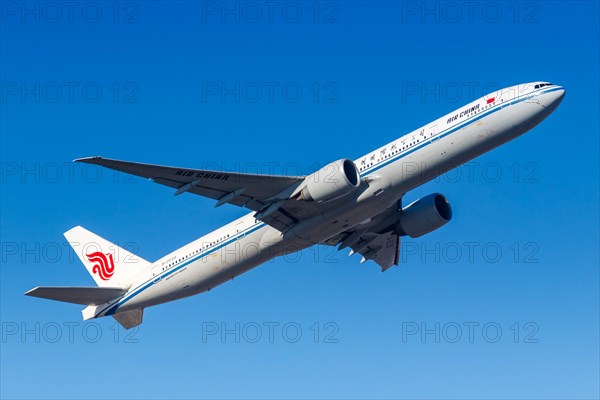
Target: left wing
{"points": [[376, 239], [383, 248]]}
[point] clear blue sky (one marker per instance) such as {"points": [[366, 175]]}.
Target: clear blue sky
{"points": [[500, 303]]}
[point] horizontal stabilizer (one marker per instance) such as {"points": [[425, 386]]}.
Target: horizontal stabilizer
{"points": [[77, 294], [130, 319]]}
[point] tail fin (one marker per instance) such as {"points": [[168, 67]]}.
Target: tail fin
{"points": [[109, 264]]}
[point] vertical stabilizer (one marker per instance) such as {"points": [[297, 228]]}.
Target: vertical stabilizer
{"points": [[109, 264]]}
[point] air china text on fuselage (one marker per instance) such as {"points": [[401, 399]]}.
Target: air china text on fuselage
{"points": [[350, 204]]}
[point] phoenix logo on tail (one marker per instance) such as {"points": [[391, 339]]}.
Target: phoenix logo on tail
{"points": [[104, 267]]}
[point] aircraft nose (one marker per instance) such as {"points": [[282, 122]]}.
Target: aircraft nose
{"points": [[551, 99]]}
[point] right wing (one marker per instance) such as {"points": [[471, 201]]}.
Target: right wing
{"points": [[253, 191], [90, 296]]}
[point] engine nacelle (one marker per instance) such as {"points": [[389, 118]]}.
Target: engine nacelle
{"points": [[425, 215], [331, 182]]}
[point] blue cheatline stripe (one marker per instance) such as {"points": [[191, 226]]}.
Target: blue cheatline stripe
{"points": [[112, 308], [453, 129]]}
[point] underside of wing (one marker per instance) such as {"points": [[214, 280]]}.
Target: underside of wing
{"points": [[383, 248], [253, 191], [77, 294], [277, 200], [375, 240], [245, 190]]}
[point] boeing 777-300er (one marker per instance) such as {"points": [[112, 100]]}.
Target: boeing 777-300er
{"points": [[351, 204]]}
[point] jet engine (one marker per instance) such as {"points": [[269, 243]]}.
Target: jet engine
{"points": [[331, 182], [425, 215]]}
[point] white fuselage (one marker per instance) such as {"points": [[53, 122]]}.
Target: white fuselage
{"points": [[391, 171]]}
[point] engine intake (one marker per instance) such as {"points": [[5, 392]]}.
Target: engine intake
{"points": [[425, 215], [331, 182]]}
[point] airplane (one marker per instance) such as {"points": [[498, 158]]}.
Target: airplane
{"points": [[350, 204]]}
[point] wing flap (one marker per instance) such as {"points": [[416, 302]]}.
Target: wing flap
{"points": [[383, 248], [77, 294]]}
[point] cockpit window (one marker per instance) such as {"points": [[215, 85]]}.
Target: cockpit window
{"points": [[541, 85]]}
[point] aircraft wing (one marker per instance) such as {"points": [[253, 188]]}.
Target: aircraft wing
{"points": [[375, 240], [383, 248], [253, 191]]}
